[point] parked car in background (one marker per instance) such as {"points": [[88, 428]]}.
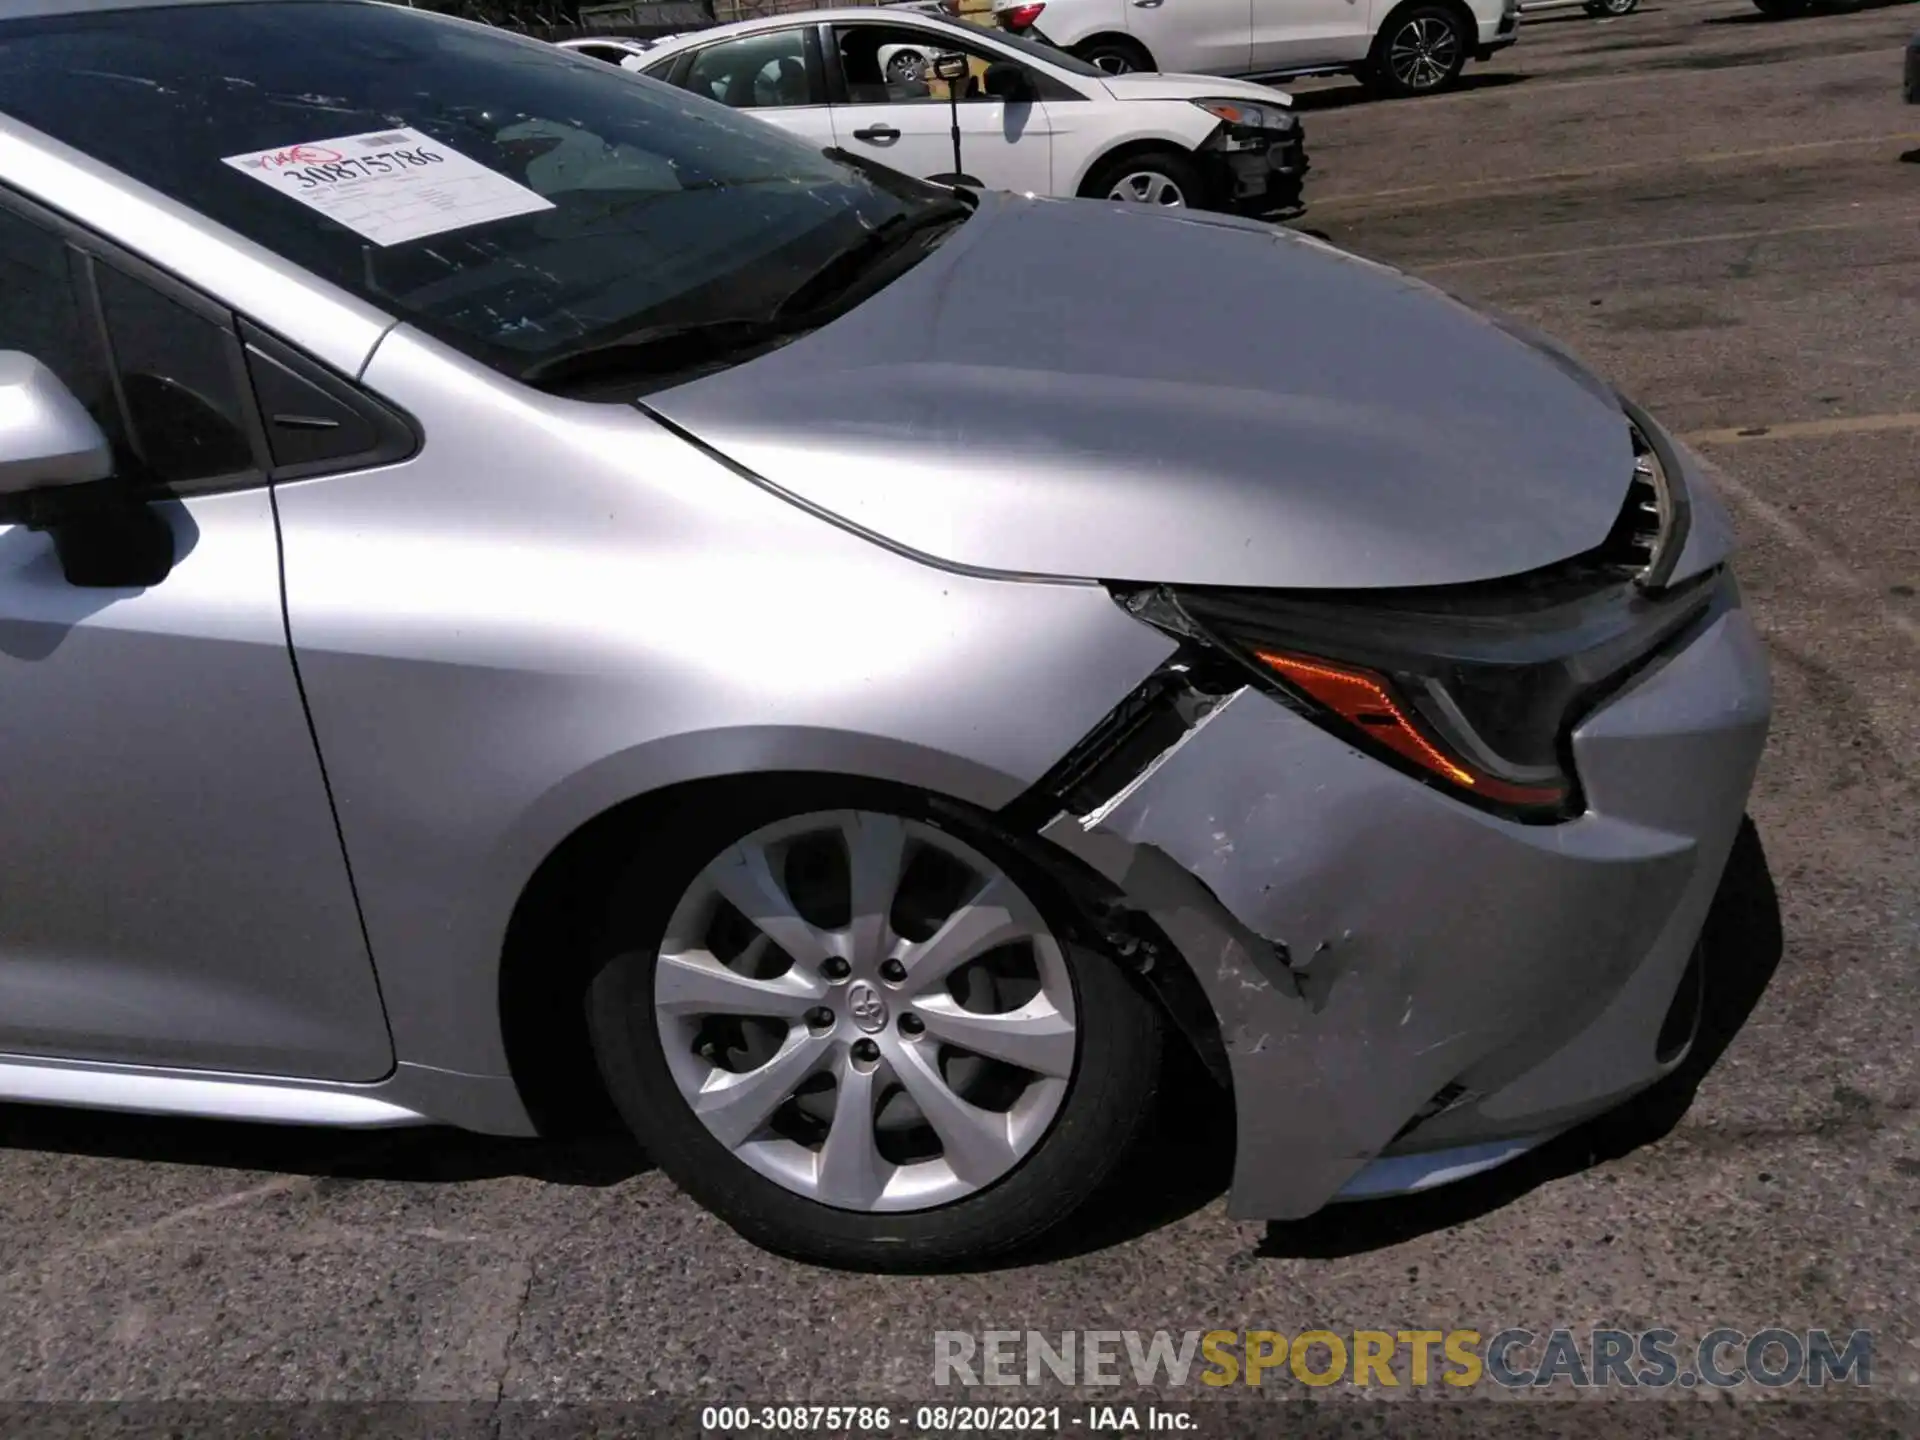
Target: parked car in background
{"points": [[1399, 47], [1032, 118], [902, 64]]}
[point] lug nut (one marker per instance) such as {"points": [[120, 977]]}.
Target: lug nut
{"points": [[835, 968], [820, 1018], [912, 1025], [893, 972], [865, 1051]]}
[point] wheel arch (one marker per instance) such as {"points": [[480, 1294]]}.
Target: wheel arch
{"points": [[584, 830], [1115, 37], [548, 955], [1134, 147]]}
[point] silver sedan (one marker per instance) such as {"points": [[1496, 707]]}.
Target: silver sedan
{"points": [[520, 586]]}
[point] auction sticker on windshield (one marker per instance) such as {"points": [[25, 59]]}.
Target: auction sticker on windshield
{"points": [[390, 186]]}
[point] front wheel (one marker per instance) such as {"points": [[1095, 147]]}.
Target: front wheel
{"points": [[1781, 9], [859, 1038], [1159, 177], [1419, 51], [1600, 9]]}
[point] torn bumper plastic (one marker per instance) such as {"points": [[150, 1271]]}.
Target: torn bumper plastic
{"points": [[1394, 971]]}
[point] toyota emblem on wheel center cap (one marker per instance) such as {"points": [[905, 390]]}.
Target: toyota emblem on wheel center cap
{"points": [[868, 1009]]}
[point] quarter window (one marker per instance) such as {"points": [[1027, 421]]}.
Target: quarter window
{"points": [[176, 371], [161, 380], [40, 313]]}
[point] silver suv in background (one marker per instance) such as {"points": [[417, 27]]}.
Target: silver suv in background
{"points": [[521, 586], [1399, 47]]}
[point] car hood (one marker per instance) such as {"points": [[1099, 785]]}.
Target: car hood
{"points": [[1191, 87], [1071, 388]]}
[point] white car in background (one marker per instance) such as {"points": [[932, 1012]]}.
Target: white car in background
{"points": [[900, 63], [1032, 119], [1398, 47]]}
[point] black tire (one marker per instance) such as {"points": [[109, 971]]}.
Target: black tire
{"points": [[1178, 171], [1604, 9], [906, 67], [1781, 9], [1110, 1094], [1114, 54], [1419, 51]]}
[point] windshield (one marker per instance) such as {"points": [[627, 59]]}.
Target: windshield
{"points": [[514, 199], [1052, 54]]}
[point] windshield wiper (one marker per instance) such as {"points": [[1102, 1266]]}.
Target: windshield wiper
{"points": [[655, 347], [866, 252]]}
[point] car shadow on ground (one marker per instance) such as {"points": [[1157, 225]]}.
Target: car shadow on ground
{"points": [[430, 1155], [1575, 15], [1816, 12], [1340, 97], [1743, 947]]}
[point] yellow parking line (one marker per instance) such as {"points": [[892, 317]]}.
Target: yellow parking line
{"points": [[1810, 429], [1624, 247], [1445, 191]]}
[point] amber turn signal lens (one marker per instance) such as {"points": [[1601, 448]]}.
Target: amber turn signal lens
{"points": [[1366, 701]]}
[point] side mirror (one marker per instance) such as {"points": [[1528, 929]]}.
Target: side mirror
{"points": [[47, 438], [52, 455], [1008, 81]]}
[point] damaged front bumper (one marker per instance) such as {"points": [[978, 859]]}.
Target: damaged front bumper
{"points": [[1395, 973], [1261, 174]]}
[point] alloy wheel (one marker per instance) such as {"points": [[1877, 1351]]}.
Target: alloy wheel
{"points": [[865, 1010], [1111, 62], [1148, 187], [1424, 53], [905, 68]]}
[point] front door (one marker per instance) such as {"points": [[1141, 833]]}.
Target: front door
{"points": [[172, 887], [905, 120], [1291, 33], [1202, 37]]}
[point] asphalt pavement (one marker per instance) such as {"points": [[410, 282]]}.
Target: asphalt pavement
{"points": [[1710, 207]]}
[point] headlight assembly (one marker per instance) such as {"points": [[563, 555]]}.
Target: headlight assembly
{"points": [[1245, 115], [1474, 689]]}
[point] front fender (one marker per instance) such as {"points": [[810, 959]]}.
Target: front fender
{"points": [[1170, 129], [556, 606]]}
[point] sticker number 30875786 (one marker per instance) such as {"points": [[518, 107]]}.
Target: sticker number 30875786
{"points": [[359, 167], [390, 186]]}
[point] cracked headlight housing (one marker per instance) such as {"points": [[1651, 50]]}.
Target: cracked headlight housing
{"points": [[1474, 689]]}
